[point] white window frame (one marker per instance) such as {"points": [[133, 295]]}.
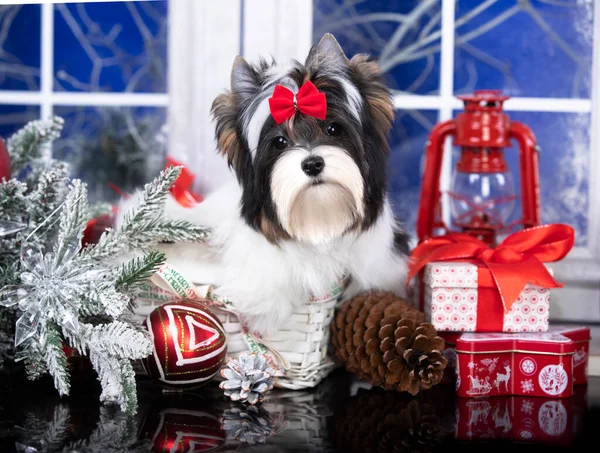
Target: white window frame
{"points": [[46, 98]]}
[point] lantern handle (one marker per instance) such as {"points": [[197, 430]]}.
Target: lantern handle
{"points": [[430, 186], [529, 174]]}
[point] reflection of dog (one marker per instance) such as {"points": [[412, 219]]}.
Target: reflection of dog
{"points": [[311, 204]]}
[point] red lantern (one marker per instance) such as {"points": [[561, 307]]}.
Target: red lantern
{"points": [[482, 195]]}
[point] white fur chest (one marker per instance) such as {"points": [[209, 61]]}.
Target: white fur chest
{"points": [[266, 282]]}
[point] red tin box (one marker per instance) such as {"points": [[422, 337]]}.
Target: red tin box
{"points": [[490, 364], [518, 418], [580, 335]]}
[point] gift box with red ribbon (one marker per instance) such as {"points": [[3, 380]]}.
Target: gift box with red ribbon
{"points": [[495, 364], [466, 286]]}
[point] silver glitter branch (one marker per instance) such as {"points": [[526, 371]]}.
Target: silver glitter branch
{"points": [[61, 294]]}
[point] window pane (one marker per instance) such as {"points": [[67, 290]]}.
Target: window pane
{"points": [[14, 117], [402, 34], [20, 47], [114, 46], [409, 135], [531, 48], [112, 149], [564, 166]]}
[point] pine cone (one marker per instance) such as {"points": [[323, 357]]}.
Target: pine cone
{"points": [[248, 378], [380, 422], [383, 339]]}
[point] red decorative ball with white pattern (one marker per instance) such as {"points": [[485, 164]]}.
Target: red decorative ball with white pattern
{"points": [[189, 345]]}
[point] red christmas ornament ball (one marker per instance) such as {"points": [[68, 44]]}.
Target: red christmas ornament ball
{"points": [[96, 226], [189, 345]]}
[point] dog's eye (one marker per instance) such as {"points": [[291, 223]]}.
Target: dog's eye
{"points": [[280, 142], [334, 129]]}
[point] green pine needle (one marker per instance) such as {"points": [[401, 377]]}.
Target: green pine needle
{"points": [[138, 269], [56, 360]]}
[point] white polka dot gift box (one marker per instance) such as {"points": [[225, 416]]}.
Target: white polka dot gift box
{"points": [[466, 286], [463, 297]]}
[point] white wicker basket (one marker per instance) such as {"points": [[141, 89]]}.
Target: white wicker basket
{"points": [[302, 344]]}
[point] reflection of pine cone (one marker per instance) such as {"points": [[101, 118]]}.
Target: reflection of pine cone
{"points": [[380, 422], [247, 424], [383, 339]]}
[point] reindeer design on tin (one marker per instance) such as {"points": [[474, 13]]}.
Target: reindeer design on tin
{"points": [[503, 377]]}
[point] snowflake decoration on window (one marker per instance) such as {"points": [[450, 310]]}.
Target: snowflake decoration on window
{"points": [[471, 365], [527, 386]]}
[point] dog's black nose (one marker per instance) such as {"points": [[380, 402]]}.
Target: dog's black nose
{"points": [[313, 165]]}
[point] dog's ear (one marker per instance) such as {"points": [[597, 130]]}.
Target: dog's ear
{"points": [[329, 52], [244, 78], [226, 108], [224, 111], [369, 80]]}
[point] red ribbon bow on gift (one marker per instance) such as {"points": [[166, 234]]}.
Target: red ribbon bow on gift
{"points": [[284, 103], [515, 262]]}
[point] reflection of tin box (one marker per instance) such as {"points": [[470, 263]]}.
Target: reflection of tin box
{"points": [[490, 364], [580, 335], [517, 418]]}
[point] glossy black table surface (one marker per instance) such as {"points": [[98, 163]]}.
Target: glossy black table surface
{"points": [[340, 415]]}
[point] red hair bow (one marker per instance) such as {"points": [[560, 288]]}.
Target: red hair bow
{"points": [[284, 103]]}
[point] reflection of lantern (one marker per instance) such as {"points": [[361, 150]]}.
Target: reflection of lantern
{"points": [[482, 194]]}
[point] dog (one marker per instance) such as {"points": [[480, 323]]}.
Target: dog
{"points": [[309, 204]]}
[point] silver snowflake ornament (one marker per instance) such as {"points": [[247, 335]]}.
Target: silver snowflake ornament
{"points": [[50, 288], [248, 378], [247, 424]]}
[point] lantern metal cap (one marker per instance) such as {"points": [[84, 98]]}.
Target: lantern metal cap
{"points": [[484, 99]]}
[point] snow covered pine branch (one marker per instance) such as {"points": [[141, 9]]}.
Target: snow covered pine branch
{"points": [[63, 294]]}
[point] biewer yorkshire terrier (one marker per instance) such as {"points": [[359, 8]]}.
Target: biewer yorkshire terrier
{"points": [[308, 145]]}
